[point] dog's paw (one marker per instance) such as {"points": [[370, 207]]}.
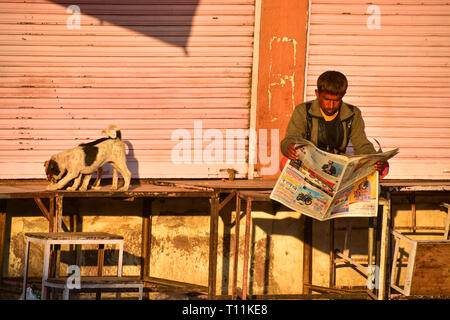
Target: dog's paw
{"points": [[71, 189], [52, 187], [122, 189], [96, 188], [82, 189]]}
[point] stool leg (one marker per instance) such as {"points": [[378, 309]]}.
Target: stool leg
{"points": [[141, 290], [45, 270], [120, 263], [66, 293]]}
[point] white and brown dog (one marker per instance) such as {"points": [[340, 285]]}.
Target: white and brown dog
{"points": [[82, 161]]}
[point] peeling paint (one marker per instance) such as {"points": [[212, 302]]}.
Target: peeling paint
{"points": [[282, 79]]}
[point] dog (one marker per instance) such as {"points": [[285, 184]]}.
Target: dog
{"points": [[82, 161]]}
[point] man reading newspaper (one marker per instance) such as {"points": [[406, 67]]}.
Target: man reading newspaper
{"points": [[329, 123], [321, 180]]}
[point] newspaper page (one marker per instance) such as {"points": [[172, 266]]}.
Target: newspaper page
{"points": [[324, 185]]}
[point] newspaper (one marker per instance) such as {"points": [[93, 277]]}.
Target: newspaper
{"points": [[325, 186]]}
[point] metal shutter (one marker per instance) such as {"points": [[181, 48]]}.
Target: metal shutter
{"points": [[148, 66], [399, 74]]}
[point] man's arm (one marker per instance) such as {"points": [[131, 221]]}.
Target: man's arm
{"points": [[296, 129], [361, 145]]}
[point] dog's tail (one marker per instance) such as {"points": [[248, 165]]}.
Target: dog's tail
{"points": [[107, 132]]}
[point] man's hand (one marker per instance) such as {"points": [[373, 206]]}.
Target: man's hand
{"points": [[292, 152], [379, 166]]}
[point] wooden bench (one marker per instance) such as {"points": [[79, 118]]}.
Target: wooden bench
{"points": [[115, 283]]}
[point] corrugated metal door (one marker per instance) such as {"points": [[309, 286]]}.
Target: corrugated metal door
{"points": [[173, 75], [396, 56]]}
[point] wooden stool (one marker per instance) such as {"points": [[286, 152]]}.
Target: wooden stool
{"points": [[80, 238]]}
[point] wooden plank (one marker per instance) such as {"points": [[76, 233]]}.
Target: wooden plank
{"points": [[388, 9], [118, 103], [381, 2], [431, 268], [123, 124], [132, 20], [386, 51], [135, 41], [372, 70], [362, 30], [91, 51], [127, 71], [379, 60], [346, 39], [73, 236], [90, 30], [431, 91], [132, 9], [67, 93], [26, 61], [388, 20], [96, 82], [96, 282]]}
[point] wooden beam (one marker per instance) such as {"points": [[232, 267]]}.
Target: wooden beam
{"points": [[42, 207], [307, 254], [236, 246], [213, 241]]}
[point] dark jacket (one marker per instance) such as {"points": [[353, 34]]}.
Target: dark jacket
{"points": [[298, 124]]}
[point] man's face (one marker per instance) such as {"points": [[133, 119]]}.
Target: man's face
{"points": [[329, 103]]}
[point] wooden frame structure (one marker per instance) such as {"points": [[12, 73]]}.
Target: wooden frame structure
{"points": [[249, 190], [147, 190]]}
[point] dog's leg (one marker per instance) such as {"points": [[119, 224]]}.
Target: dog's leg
{"points": [[115, 178], [76, 183], [61, 183], [86, 179], [96, 185], [126, 174]]}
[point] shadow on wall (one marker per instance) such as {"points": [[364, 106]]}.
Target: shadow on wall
{"points": [[165, 20]]}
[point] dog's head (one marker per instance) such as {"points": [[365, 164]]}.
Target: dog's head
{"points": [[52, 170]]}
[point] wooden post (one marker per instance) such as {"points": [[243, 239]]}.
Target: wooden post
{"points": [[307, 254], [385, 235], [146, 237], [332, 281], [58, 213], [100, 259], [51, 214], [213, 240], [236, 245], [2, 234], [413, 212], [248, 221]]}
